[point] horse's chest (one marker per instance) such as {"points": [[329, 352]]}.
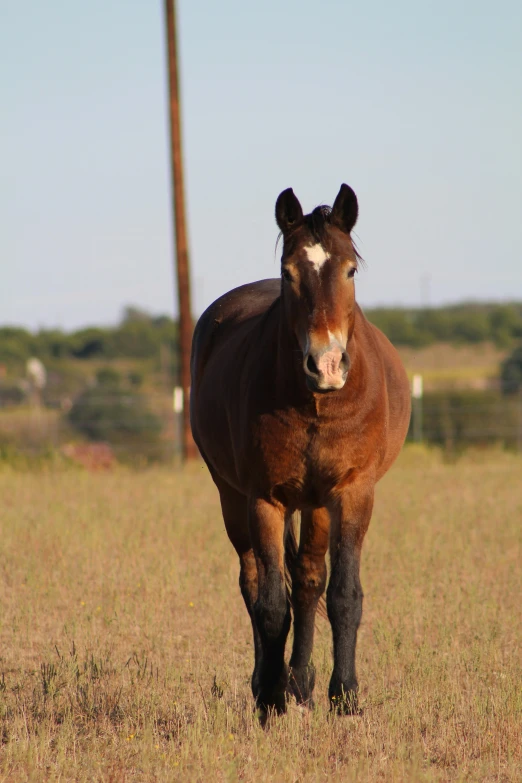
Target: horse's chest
{"points": [[303, 461]]}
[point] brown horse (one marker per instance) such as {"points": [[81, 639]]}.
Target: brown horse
{"points": [[299, 403]]}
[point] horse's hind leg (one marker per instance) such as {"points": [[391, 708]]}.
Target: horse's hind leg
{"points": [[308, 583], [235, 515], [272, 607]]}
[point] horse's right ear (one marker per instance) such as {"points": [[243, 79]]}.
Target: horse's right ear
{"points": [[288, 210]]}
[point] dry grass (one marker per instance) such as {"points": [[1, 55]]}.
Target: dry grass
{"points": [[27, 427], [126, 651]]}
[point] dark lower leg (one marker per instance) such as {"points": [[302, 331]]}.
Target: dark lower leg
{"points": [[344, 602], [235, 515], [271, 609], [308, 583], [350, 520], [248, 586], [272, 615]]}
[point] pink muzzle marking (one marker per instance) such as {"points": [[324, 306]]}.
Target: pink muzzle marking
{"points": [[329, 365]]}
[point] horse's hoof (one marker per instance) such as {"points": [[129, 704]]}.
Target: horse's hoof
{"points": [[301, 684], [347, 704], [267, 715]]}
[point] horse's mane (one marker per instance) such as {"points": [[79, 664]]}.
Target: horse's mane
{"points": [[317, 223]]}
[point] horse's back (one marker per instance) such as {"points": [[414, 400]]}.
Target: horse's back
{"points": [[228, 314]]}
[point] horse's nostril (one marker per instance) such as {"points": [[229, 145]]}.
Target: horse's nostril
{"points": [[345, 361], [311, 366]]}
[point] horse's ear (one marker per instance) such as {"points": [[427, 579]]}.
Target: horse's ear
{"points": [[288, 210], [345, 209]]}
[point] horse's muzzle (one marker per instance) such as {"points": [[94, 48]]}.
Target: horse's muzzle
{"points": [[326, 369]]}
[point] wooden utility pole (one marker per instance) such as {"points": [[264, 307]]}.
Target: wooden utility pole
{"points": [[182, 262]]}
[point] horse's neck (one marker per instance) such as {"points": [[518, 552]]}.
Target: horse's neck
{"points": [[289, 377]]}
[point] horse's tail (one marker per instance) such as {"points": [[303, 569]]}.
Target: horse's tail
{"points": [[291, 549]]}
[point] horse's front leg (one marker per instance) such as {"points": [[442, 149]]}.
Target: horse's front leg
{"points": [[272, 608], [308, 583], [350, 517]]}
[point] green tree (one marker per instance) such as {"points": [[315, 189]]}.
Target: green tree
{"points": [[16, 344], [89, 343], [505, 325]]}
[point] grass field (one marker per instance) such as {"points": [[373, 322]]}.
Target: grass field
{"points": [[126, 651]]}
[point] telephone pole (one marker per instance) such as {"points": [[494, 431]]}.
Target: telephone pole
{"points": [[182, 262]]}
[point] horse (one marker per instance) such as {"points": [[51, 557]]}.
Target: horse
{"points": [[299, 404]]}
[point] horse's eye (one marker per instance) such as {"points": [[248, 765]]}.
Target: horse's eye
{"points": [[286, 275], [352, 271]]}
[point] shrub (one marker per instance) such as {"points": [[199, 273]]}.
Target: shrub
{"points": [[107, 376], [135, 379], [113, 414]]}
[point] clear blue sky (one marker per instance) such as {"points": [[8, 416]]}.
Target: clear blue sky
{"points": [[417, 105]]}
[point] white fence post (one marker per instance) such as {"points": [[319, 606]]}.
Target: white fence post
{"points": [[416, 393]]}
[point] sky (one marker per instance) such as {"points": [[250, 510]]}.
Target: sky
{"points": [[417, 105]]}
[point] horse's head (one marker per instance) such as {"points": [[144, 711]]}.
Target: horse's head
{"points": [[318, 265]]}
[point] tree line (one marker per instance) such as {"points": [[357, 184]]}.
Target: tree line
{"points": [[467, 323], [137, 336], [140, 335]]}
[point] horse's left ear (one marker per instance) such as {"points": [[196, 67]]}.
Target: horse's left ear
{"points": [[345, 209]]}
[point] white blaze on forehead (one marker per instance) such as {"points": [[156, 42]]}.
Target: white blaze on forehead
{"points": [[317, 255]]}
